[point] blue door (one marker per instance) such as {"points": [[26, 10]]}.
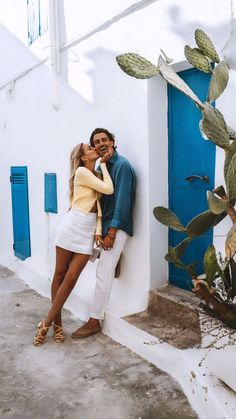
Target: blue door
{"points": [[20, 211], [189, 155]]}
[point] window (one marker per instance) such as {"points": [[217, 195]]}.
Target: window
{"points": [[37, 19]]}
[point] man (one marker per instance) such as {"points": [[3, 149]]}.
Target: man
{"points": [[117, 226]]}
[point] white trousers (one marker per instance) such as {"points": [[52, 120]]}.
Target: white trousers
{"points": [[105, 274]]}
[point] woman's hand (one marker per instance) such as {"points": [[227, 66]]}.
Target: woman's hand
{"points": [[98, 240], [106, 156]]}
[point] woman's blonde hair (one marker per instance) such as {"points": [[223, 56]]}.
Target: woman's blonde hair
{"points": [[75, 162]]}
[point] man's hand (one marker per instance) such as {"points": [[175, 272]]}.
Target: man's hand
{"points": [[108, 243]]}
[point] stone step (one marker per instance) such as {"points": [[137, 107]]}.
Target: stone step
{"points": [[172, 316]]}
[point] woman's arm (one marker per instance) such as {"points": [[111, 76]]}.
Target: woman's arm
{"points": [[99, 226], [85, 177]]}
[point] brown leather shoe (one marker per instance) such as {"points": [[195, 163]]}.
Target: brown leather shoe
{"points": [[86, 330]]}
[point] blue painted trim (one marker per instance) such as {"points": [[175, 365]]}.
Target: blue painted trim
{"points": [[50, 192], [176, 276]]}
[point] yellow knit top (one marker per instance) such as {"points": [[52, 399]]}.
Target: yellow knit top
{"points": [[88, 189]]}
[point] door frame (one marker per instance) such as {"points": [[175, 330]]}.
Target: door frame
{"points": [[176, 276], [157, 122]]}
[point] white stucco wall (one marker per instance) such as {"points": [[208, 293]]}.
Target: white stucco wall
{"points": [[13, 15], [224, 104], [92, 91]]}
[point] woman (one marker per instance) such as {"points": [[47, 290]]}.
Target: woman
{"points": [[75, 236]]}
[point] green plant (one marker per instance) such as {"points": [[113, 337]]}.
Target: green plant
{"points": [[218, 284]]}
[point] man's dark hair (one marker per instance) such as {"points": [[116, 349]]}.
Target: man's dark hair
{"points": [[98, 131]]}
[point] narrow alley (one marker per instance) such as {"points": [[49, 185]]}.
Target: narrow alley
{"points": [[93, 378]]}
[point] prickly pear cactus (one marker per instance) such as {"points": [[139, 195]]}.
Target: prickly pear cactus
{"points": [[201, 223], [230, 244], [210, 264], [168, 218], [205, 44], [197, 59], [216, 205], [173, 257], [172, 78], [136, 66], [231, 180], [218, 81], [214, 127], [221, 201]]}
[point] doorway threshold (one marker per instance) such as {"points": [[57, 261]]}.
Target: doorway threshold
{"points": [[172, 316]]}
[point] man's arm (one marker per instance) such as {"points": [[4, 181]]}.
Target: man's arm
{"points": [[123, 189]]}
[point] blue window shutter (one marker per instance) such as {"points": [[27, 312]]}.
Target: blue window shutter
{"points": [[50, 192], [20, 212]]}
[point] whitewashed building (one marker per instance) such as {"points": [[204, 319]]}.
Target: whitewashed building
{"points": [[56, 90]]}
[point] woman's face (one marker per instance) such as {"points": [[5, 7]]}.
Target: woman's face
{"points": [[89, 152]]}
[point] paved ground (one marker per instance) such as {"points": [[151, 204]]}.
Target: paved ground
{"points": [[94, 378]]}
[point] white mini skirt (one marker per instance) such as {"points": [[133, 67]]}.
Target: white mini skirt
{"points": [[76, 232]]}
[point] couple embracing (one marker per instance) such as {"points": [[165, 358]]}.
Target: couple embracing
{"points": [[101, 211]]}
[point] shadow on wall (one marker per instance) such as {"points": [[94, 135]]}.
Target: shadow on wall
{"points": [[12, 63], [183, 28], [117, 100], [121, 97]]}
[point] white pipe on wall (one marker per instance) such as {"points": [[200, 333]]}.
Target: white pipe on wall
{"points": [[54, 28], [57, 37]]}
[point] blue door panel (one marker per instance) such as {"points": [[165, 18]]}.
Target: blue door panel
{"points": [[189, 155], [20, 212]]}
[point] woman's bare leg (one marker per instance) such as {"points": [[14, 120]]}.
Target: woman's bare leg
{"points": [[63, 258], [76, 266]]}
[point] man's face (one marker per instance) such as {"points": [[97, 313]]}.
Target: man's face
{"points": [[102, 143]]}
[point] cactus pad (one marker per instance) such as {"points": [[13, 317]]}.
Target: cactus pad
{"points": [[172, 256], [136, 66], [214, 126], [210, 264], [168, 218], [197, 59], [171, 77], [182, 246], [201, 130], [219, 81], [231, 179], [228, 156], [216, 205], [201, 223], [205, 44], [230, 244]]}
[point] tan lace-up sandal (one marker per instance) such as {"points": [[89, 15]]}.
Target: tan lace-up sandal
{"points": [[58, 336], [41, 334]]}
